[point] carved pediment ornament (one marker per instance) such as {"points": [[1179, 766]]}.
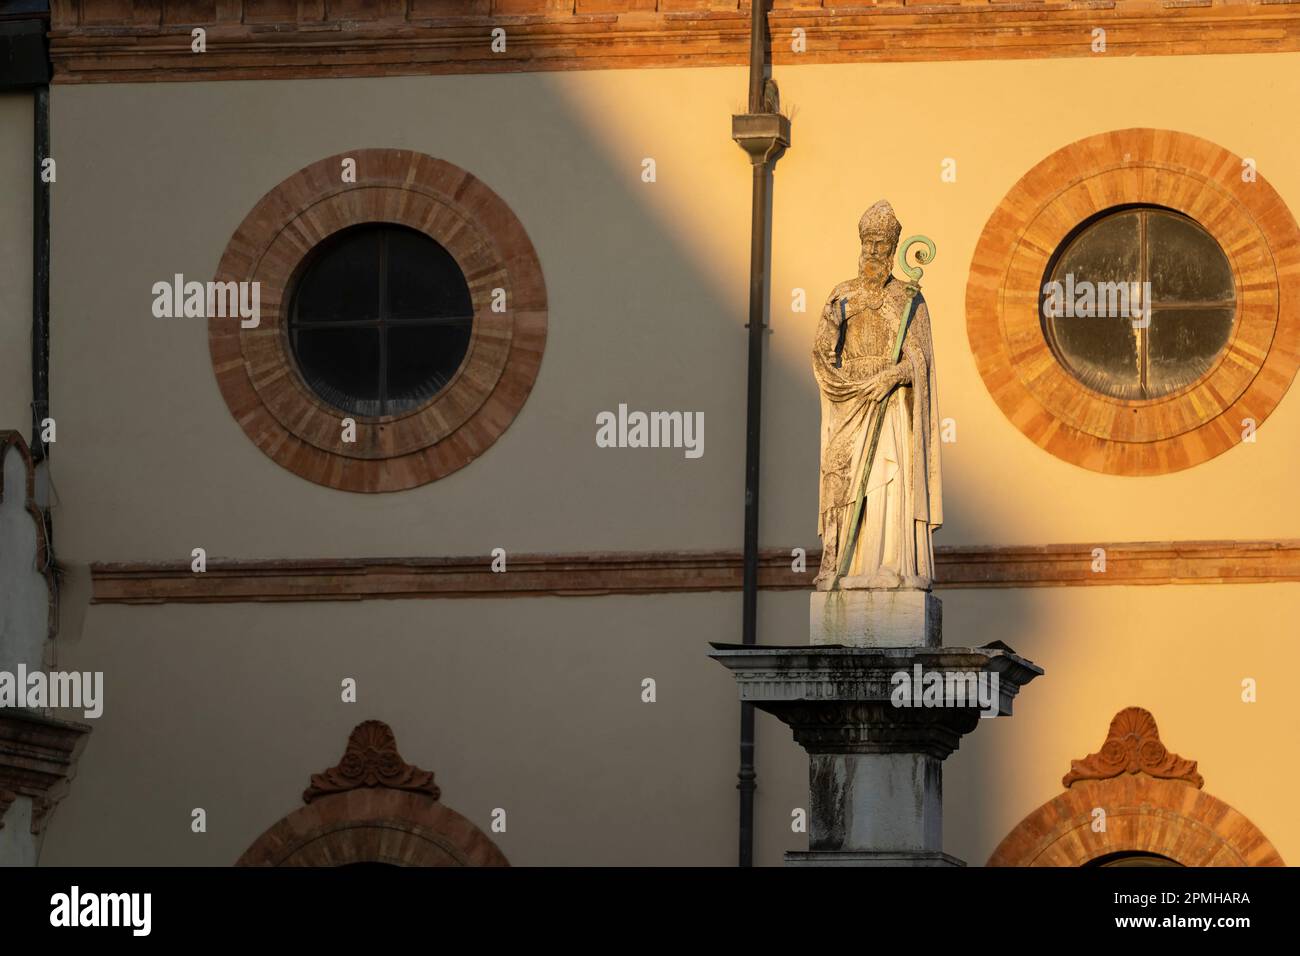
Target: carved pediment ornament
{"points": [[371, 760], [1133, 746]]}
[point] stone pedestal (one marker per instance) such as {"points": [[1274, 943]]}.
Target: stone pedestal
{"points": [[875, 776], [890, 800], [875, 619], [865, 858]]}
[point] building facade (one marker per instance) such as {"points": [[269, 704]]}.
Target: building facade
{"points": [[545, 200]]}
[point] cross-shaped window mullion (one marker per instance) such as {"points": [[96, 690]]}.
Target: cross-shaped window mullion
{"points": [[430, 319], [337, 324], [1144, 277], [421, 320]]}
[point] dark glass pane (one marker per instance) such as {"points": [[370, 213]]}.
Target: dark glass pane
{"points": [[421, 360], [1106, 251], [342, 281], [341, 366], [424, 314], [1101, 352], [1095, 277], [1132, 858], [1185, 264], [1183, 346], [1099, 273], [423, 278]]}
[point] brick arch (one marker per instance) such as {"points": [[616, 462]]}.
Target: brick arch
{"points": [[1153, 803], [379, 826], [373, 807]]}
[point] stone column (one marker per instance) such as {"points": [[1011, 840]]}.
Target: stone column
{"points": [[875, 780], [875, 758]]}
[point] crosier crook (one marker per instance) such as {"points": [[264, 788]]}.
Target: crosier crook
{"points": [[913, 290]]}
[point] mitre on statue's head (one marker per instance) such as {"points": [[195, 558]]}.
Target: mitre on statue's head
{"points": [[880, 220]]}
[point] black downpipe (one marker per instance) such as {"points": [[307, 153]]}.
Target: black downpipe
{"points": [[747, 776]]}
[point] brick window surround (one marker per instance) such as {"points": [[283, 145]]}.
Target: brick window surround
{"points": [[259, 378], [373, 826], [1143, 815], [1153, 803], [1148, 167], [373, 807]]}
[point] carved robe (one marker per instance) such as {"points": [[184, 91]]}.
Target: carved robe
{"points": [[903, 497]]}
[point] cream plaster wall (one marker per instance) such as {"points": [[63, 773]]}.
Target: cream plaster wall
{"points": [[998, 120], [647, 291], [16, 262], [534, 704]]}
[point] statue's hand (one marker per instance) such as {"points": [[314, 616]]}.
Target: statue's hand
{"points": [[880, 384]]}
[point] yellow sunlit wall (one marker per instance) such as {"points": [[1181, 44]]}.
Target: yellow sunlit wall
{"points": [[647, 283]]}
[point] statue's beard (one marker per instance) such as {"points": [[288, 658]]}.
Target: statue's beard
{"points": [[874, 271]]}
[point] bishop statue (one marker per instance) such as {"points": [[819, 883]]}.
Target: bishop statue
{"points": [[880, 499]]}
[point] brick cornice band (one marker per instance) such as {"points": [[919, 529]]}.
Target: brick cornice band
{"points": [[92, 41], [539, 575]]}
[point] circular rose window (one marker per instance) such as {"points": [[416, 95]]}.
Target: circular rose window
{"points": [[402, 324], [1139, 302], [380, 320], [1131, 305]]}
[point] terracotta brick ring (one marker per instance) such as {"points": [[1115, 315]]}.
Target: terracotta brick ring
{"points": [[373, 825], [1251, 224], [1143, 814], [259, 378]]}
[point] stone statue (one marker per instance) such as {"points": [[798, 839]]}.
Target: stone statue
{"points": [[863, 390]]}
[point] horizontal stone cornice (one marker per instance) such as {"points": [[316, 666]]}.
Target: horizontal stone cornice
{"points": [[144, 40], [652, 572]]}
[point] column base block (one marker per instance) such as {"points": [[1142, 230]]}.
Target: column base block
{"points": [[869, 858], [865, 618]]}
